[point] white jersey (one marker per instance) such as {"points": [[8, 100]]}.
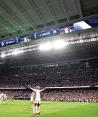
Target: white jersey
{"points": [[32, 98], [1, 96], [37, 95], [37, 98], [5, 96]]}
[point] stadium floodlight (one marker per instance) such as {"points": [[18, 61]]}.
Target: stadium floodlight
{"points": [[3, 55], [45, 46], [59, 44], [30, 49], [81, 41], [16, 52]]}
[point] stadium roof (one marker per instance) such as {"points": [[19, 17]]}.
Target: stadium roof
{"points": [[21, 16]]}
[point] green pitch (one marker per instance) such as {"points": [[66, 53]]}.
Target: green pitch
{"points": [[49, 109]]}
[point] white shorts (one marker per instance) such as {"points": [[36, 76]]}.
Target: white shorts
{"points": [[31, 99], [37, 101]]}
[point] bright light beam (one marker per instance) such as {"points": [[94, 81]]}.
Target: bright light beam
{"points": [[16, 52], [45, 46], [59, 44], [3, 55]]}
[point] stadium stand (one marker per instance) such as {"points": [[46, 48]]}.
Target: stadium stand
{"points": [[79, 73], [65, 94], [72, 95]]}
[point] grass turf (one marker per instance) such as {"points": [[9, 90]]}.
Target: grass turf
{"points": [[49, 109]]}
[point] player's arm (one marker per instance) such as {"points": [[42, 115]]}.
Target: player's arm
{"points": [[31, 88], [42, 89]]}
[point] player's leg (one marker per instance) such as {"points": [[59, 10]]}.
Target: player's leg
{"points": [[38, 108], [5, 100], [0, 101], [34, 108]]}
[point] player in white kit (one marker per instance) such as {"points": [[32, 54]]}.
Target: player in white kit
{"points": [[3, 98], [32, 97], [37, 98], [32, 101]]}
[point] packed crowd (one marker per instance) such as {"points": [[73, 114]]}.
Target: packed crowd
{"points": [[67, 74], [67, 95], [16, 93], [72, 95]]}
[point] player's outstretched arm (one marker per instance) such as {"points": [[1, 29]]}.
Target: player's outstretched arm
{"points": [[31, 88], [43, 89]]}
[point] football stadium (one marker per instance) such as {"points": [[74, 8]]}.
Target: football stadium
{"points": [[49, 58]]}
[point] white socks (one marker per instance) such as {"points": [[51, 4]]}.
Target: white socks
{"points": [[34, 109], [37, 109]]}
